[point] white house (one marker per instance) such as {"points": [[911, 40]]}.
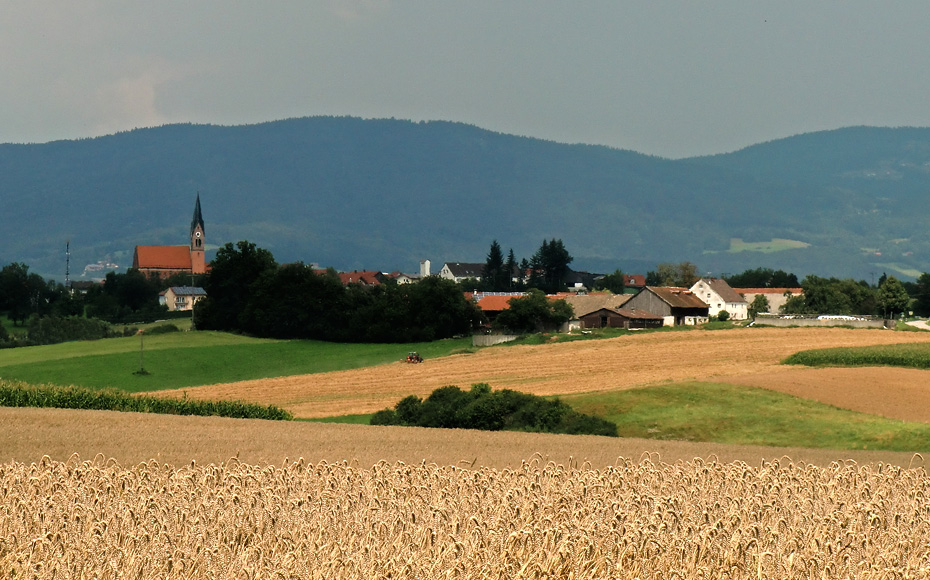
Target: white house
{"points": [[718, 295], [181, 297]]}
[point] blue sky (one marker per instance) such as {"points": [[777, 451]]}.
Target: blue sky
{"points": [[667, 78]]}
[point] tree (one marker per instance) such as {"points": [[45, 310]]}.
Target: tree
{"points": [[922, 295], [615, 282], [833, 296], [494, 277], [549, 266], [759, 304], [233, 272], [534, 312], [682, 275], [511, 268], [892, 298]]}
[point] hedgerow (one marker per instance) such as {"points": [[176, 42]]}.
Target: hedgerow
{"points": [[15, 394], [898, 355]]}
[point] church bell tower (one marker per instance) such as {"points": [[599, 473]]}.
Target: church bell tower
{"points": [[198, 243]]}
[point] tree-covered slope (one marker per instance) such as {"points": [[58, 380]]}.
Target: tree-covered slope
{"points": [[383, 194]]}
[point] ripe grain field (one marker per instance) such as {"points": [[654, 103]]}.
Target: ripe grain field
{"points": [[634, 519], [574, 367]]}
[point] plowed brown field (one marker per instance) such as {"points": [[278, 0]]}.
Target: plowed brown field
{"points": [[746, 356]]}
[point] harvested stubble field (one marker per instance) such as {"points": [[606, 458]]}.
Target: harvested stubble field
{"points": [[691, 519], [575, 367]]}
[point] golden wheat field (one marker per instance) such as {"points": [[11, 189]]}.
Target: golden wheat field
{"points": [[391, 502], [692, 519]]}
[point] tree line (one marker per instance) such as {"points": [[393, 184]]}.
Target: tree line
{"points": [[247, 291]]}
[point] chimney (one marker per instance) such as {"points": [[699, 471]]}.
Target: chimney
{"points": [[424, 268]]}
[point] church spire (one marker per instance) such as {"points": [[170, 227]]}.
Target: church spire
{"points": [[198, 241], [198, 218]]}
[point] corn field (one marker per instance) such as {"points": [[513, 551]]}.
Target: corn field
{"points": [[636, 519]]}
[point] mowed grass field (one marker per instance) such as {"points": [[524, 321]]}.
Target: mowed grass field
{"points": [[185, 359]]}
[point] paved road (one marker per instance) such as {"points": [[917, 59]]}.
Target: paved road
{"points": [[921, 324]]}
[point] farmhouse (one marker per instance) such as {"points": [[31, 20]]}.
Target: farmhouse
{"points": [[677, 306], [165, 261], [718, 295]]}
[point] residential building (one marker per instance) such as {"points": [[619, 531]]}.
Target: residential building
{"points": [[181, 297], [718, 295]]}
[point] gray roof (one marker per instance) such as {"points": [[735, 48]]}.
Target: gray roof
{"points": [[188, 291], [465, 269]]}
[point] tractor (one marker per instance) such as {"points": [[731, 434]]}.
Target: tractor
{"points": [[414, 357]]}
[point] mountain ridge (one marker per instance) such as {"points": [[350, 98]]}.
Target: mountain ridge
{"points": [[381, 193]]}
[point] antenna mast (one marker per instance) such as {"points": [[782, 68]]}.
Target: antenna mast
{"points": [[68, 265]]}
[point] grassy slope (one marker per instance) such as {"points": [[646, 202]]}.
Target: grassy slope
{"points": [[723, 413], [195, 358]]}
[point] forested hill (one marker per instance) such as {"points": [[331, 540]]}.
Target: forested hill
{"points": [[384, 194]]}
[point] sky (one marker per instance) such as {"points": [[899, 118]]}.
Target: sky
{"points": [[673, 79]]}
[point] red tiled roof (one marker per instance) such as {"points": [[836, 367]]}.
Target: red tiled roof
{"points": [[495, 303], [162, 257], [369, 277]]}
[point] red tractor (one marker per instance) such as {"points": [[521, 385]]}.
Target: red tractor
{"points": [[414, 358]]}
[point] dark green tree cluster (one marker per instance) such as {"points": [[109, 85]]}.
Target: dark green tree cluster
{"points": [[615, 282], [247, 291], [127, 298], [533, 312], [546, 270], [481, 408], [763, 278], [847, 296], [24, 294], [682, 275]]}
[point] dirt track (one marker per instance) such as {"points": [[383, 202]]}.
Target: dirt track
{"points": [[746, 356]]}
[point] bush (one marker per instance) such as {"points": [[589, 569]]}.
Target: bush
{"points": [[723, 316], [481, 408]]}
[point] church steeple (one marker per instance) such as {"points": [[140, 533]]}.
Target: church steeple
{"points": [[198, 237]]}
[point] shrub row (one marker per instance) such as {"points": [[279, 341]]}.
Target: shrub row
{"points": [[915, 356], [13, 394], [480, 408], [56, 329]]}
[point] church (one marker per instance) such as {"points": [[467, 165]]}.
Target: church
{"points": [[165, 261]]}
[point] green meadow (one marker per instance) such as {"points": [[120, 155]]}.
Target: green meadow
{"points": [[185, 359], [723, 413], [774, 245]]}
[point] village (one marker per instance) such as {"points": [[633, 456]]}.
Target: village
{"points": [[637, 306]]}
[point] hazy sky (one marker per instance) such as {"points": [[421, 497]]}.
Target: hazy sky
{"points": [[667, 78]]}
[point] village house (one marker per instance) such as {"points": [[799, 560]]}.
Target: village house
{"points": [[718, 295], [676, 306], [166, 261], [460, 271], [181, 297]]}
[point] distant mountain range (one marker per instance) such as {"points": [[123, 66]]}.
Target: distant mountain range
{"points": [[384, 194]]}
